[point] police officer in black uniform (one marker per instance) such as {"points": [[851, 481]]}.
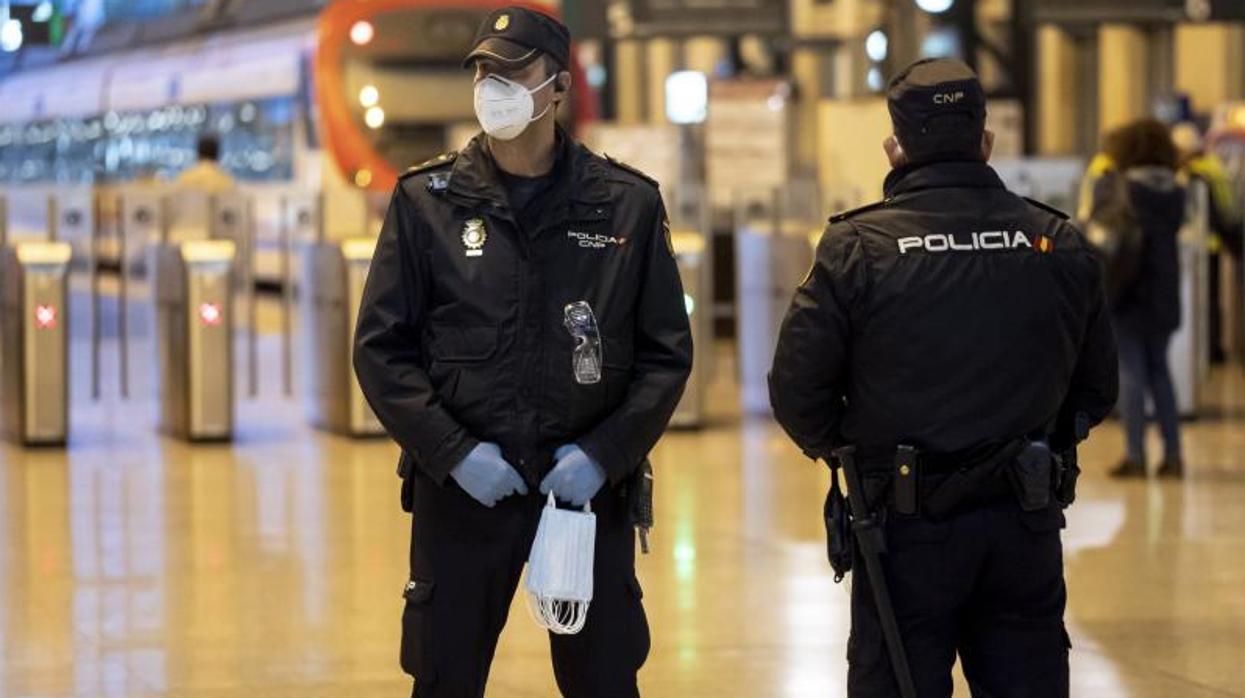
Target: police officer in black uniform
{"points": [[522, 332], [955, 335]]}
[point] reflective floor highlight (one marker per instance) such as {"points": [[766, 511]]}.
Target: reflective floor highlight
{"points": [[133, 565]]}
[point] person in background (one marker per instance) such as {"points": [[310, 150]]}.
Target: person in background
{"points": [[1199, 164], [206, 174], [1099, 166], [1147, 312]]}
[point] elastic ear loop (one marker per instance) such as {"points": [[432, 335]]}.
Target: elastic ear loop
{"points": [[557, 616], [548, 106]]}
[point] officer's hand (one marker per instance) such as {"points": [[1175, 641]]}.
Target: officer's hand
{"points": [[486, 476], [576, 478]]}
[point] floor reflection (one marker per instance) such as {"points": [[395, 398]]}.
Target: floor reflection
{"points": [[136, 565]]}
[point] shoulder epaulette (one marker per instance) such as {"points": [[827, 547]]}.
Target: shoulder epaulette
{"points": [[628, 168], [438, 161], [859, 210], [1047, 207]]}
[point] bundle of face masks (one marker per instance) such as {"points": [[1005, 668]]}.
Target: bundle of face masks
{"points": [[559, 568]]}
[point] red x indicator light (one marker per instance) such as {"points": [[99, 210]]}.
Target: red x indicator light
{"points": [[45, 317], [210, 314]]}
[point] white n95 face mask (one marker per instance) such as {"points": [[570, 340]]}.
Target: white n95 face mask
{"points": [[504, 107], [559, 569]]}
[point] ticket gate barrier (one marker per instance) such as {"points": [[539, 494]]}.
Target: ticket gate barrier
{"points": [[193, 288], [34, 341], [1187, 354], [772, 256], [231, 216], [65, 214], [189, 214], [139, 217], [691, 253], [333, 275], [301, 223], [73, 217]]}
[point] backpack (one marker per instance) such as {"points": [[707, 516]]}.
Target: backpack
{"points": [[1116, 235]]}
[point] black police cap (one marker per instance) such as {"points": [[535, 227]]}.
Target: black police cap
{"points": [[516, 36], [938, 109]]}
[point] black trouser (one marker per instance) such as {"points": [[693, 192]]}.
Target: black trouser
{"points": [[1214, 307], [987, 584], [466, 562]]}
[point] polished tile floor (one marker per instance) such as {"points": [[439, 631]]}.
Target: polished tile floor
{"points": [[132, 565]]}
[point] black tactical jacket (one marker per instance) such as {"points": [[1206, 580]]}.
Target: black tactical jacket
{"points": [[460, 337], [949, 316]]}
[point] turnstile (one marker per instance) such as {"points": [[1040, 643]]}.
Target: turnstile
{"points": [[772, 256], [193, 292], [768, 268], [692, 257], [1187, 355], [231, 216], [34, 341], [333, 277]]}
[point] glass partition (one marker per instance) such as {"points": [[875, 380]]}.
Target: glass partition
{"points": [[257, 144]]}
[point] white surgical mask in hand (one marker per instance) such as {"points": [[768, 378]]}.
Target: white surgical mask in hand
{"points": [[505, 107], [559, 568]]}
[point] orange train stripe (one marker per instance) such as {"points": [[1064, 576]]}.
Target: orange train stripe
{"points": [[350, 145]]}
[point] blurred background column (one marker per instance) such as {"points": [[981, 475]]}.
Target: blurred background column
{"points": [[704, 54], [1210, 63], [629, 81], [663, 59], [829, 62], [807, 68], [1123, 80], [1058, 92]]}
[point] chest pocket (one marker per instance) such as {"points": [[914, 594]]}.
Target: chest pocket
{"points": [[591, 402], [617, 355], [460, 369], [464, 344], [473, 265], [617, 358]]}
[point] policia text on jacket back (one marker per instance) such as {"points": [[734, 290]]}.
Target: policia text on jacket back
{"points": [[509, 360], [949, 346]]}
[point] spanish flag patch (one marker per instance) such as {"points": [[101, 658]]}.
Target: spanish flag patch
{"points": [[1045, 245]]}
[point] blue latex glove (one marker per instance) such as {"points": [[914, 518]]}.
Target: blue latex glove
{"points": [[486, 476], [576, 478]]}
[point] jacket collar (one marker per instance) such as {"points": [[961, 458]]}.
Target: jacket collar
{"points": [[951, 174], [581, 176]]}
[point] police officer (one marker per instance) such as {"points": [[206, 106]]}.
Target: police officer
{"points": [[522, 332], [954, 334]]}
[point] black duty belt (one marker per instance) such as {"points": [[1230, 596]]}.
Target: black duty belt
{"points": [[939, 484]]}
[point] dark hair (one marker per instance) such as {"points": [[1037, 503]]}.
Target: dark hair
{"points": [[1147, 142], [208, 147], [552, 66]]}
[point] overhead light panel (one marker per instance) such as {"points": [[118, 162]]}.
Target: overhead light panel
{"points": [[362, 32], [11, 35], [687, 97], [935, 6], [374, 117], [874, 79], [877, 45]]}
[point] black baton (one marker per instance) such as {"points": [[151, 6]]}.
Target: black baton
{"points": [[869, 537]]}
